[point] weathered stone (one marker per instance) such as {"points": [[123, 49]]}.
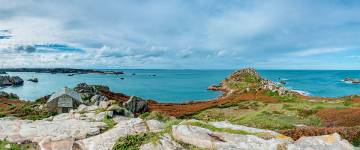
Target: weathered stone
{"points": [[20, 131], [225, 124], [325, 142], [164, 143], [107, 140], [117, 110], [136, 105], [155, 125], [205, 138], [104, 104], [8, 95]]}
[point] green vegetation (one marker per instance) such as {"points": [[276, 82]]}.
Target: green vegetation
{"points": [[109, 121], [5, 145], [133, 142], [155, 115], [285, 114], [31, 111], [356, 142], [282, 98], [216, 129]]}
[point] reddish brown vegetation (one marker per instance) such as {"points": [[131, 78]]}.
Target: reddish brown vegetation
{"points": [[349, 133], [340, 117], [5, 104], [115, 96], [185, 109]]}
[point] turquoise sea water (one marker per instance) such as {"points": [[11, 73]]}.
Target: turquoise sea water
{"points": [[185, 85]]}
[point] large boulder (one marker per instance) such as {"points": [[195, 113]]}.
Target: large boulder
{"points": [[136, 105], [98, 98], [10, 80], [117, 110], [107, 140], [325, 142], [21, 131], [205, 138], [165, 143], [8, 95], [155, 125], [88, 91]]}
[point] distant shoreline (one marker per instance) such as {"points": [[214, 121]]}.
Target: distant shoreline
{"points": [[59, 70]]}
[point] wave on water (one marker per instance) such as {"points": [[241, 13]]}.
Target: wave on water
{"points": [[302, 92], [347, 82]]}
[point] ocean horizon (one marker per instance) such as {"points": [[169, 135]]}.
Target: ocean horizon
{"points": [[183, 85]]}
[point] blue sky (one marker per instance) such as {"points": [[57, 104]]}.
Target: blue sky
{"points": [[174, 34]]}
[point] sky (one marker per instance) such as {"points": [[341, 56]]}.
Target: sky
{"points": [[180, 34]]}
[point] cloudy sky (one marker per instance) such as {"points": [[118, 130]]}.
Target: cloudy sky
{"points": [[174, 34]]}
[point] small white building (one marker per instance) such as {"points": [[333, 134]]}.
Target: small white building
{"points": [[63, 101]]}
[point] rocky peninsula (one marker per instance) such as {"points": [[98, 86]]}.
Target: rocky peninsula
{"points": [[252, 113], [59, 70], [10, 81]]}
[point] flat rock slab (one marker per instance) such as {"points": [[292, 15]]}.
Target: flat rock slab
{"points": [[164, 143], [325, 142], [107, 140], [204, 138], [21, 131]]}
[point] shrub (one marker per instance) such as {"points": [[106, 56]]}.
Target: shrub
{"points": [[109, 121], [216, 129], [133, 142], [157, 116]]}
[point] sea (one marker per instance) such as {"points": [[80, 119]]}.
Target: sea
{"points": [[178, 86]]}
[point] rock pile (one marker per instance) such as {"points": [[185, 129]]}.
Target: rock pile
{"points": [[136, 105], [351, 80], [10, 80], [88, 91], [8, 95]]}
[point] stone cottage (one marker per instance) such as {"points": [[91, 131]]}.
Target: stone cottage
{"points": [[63, 101]]}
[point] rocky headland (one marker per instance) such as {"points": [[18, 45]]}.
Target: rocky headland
{"points": [[253, 113], [10, 81], [351, 80]]}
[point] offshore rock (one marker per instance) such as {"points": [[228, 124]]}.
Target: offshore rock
{"points": [[136, 105], [8, 95], [10, 80]]}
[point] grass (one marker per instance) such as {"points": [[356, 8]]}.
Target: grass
{"points": [[133, 142], [155, 115], [216, 129], [273, 116], [109, 121], [4, 144]]}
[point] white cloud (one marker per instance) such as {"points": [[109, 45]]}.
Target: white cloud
{"points": [[317, 51]]}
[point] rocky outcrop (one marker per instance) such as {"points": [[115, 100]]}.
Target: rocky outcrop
{"points": [[165, 143], [252, 138], [108, 139], [351, 80], [34, 80], [88, 91], [325, 142], [136, 105], [205, 138], [22, 131], [155, 125], [10, 80], [8, 95]]}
